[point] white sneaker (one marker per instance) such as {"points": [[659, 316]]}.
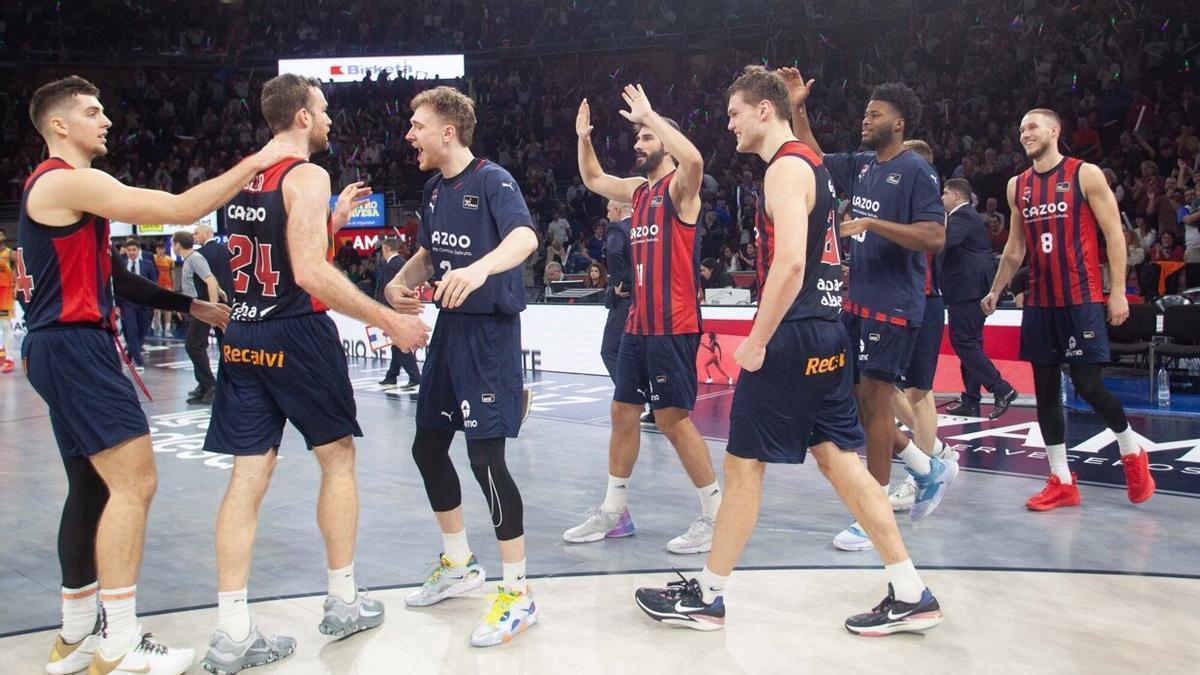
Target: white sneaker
{"points": [[731, 381], [853, 538], [946, 453], [600, 524], [71, 658], [447, 581], [147, 657], [509, 615], [697, 539], [708, 381], [904, 494]]}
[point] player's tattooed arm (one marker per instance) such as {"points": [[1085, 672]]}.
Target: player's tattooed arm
{"points": [[306, 196], [1104, 204], [1014, 252]]}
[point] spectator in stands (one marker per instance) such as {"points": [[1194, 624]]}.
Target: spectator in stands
{"points": [[346, 256], [728, 261], [560, 228], [712, 275], [1167, 249], [1085, 142], [597, 276], [556, 253], [554, 272], [746, 257], [1147, 235], [594, 247], [997, 232], [1191, 238], [1135, 253]]}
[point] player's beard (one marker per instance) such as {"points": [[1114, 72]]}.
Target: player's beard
{"points": [[1039, 151], [878, 139], [318, 140], [651, 162]]}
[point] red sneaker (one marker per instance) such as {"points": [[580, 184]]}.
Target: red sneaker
{"points": [[1138, 481], [8, 368], [1054, 495]]}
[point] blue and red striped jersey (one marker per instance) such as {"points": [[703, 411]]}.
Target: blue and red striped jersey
{"points": [[666, 265], [820, 295], [264, 286], [64, 274], [1061, 235]]}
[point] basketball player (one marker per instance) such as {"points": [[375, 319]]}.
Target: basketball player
{"points": [[914, 404], [165, 264], [66, 278], [475, 232], [897, 217], [6, 302], [657, 361], [281, 360], [620, 279], [1056, 207], [714, 359], [794, 393]]}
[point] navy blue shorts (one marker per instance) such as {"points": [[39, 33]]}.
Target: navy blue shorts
{"points": [[657, 369], [77, 371], [471, 381], [878, 349], [802, 396], [276, 371], [1072, 334], [928, 347]]}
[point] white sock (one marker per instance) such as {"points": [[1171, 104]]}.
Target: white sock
{"points": [[233, 614], [455, 547], [341, 583], [616, 498], [1127, 441], [938, 447], [915, 459], [887, 489], [906, 583], [78, 612], [514, 576], [712, 585], [710, 499], [119, 606], [1058, 462]]}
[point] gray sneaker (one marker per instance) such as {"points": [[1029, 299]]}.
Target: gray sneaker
{"points": [[599, 525], [904, 494], [447, 581], [697, 539], [947, 454], [343, 619], [226, 656]]}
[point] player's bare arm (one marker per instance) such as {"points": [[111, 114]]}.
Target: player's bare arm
{"points": [[685, 187], [458, 284], [789, 211], [1014, 252], [926, 235], [594, 178], [62, 196], [306, 197], [1104, 205], [798, 92]]}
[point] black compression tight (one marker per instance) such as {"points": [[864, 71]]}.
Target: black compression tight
{"points": [[1089, 385], [431, 451], [86, 496]]}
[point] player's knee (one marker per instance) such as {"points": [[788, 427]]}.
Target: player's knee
{"points": [[431, 450], [742, 470], [336, 457], [625, 413]]}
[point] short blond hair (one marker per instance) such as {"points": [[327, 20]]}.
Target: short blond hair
{"points": [[453, 106], [921, 148]]}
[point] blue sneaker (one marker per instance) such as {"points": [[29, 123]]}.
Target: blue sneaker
{"points": [[931, 487]]}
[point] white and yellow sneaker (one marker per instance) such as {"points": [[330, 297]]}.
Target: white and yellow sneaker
{"points": [[510, 614], [147, 657], [71, 657]]}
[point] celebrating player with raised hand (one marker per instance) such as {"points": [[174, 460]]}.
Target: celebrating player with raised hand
{"points": [[898, 217], [656, 363], [794, 393]]}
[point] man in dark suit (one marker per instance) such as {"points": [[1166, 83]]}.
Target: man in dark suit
{"points": [[135, 319], [391, 262], [620, 283], [967, 270]]}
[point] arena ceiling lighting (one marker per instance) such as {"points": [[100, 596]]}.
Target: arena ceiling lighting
{"points": [[355, 68]]}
